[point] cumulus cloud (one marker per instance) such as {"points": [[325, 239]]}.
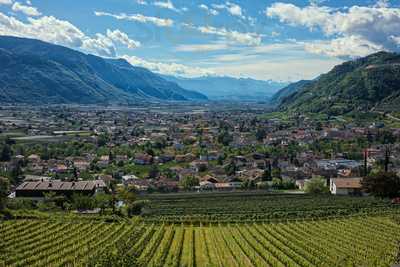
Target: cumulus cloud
{"points": [[166, 4], [6, 2], [232, 8], [121, 37], [45, 28], [344, 47], [247, 38], [209, 11], [139, 18], [141, 2], [358, 29], [100, 45], [168, 68], [61, 32], [27, 10]]}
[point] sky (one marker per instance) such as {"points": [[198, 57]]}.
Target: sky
{"points": [[266, 39]]}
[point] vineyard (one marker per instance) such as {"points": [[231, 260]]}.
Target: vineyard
{"points": [[258, 207], [358, 241]]}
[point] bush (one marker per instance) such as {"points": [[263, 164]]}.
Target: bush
{"points": [[136, 207], [316, 185]]}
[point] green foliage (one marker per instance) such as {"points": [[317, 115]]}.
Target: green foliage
{"points": [[103, 201], [225, 138], [382, 184], [4, 190], [5, 153], [189, 182], [362, 84], [316, 185], [82, 202], [116, 256]]}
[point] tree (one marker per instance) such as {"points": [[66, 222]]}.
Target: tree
{"points": [[82, 202], [266, 175], [49, 202], [189, 182], [382, 184], [260, 134], [103, 201], [4, 188], [276, 173], [16, 172], [276, 183], [388, 152], [231, 169], [5, 154], [224, 138], [154, 172], [127, 195], [316, 185]]}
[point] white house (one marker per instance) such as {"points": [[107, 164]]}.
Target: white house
{"points": [[346, 186], [126, 179]]}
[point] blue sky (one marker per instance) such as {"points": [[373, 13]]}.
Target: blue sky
{"points": [[278, 40]]}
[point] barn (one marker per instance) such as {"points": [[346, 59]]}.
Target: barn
{"points": [[40, 188]]}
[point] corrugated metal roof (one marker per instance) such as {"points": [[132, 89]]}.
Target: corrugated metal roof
{"points": [[60, 185]]}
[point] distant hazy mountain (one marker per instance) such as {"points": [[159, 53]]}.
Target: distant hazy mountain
{"points": [[288, 90], [220, 88], [33, 71], [365, 84]]}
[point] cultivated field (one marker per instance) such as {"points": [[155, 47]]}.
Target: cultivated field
{"points": [[358, 241], [195, 208]]}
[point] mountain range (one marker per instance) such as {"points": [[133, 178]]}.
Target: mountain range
{"points": [[361, 85], [36, 72], [229, 88]]}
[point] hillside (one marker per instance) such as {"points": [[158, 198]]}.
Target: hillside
{"points": [[229, 88], [36, 72], [369, 83], [288, 90]]}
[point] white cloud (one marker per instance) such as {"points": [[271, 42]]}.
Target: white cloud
{"points": [[27, 10], [6, 2], [236, 37], [100, 45], [169, 5], [139, 18], [61, 32], [357, 29], [141, 2], [344, 47], [232, 8], [201, 47], [121, 37], [48, 29], [275, 34], [168, 68], [209, 11], [165, 4]]}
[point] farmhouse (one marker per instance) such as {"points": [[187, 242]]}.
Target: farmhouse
{"points": [[39, 189], [346, 186]]}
